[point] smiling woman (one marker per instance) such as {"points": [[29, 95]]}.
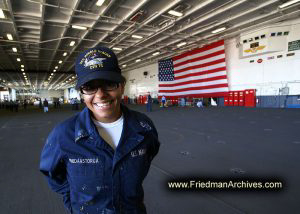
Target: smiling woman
{"points": [[105, 151]]}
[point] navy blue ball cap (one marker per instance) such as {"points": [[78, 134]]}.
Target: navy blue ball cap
{"points": [[97, 63]]}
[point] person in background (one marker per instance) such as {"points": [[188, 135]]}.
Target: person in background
{"points": [[16, 105], [25, 104], [45, 103], [40, 104], [199, 104], [99, 158], [149, 103], [163, 101], [76, 104]]}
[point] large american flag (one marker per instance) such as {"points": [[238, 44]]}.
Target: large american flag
{"points": [[197, 73]]}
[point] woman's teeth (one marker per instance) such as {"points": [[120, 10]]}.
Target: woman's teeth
{"points": [[101, 105]]}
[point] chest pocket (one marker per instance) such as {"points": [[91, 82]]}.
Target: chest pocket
{"points": [[86, 179], [86, 167], [139, 161]]}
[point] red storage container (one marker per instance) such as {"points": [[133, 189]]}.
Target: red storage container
{"points": [[235, 98], [241, 98], [144, 99], [230, 102], [250, 98], [226, 101]]}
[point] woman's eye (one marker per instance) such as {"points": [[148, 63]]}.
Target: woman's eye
{"points": [[87, 88]]}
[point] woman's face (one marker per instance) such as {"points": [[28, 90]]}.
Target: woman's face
{"points": [[104, 104]]}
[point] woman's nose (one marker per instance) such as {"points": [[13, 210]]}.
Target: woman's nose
{"points": [[100, 92]]}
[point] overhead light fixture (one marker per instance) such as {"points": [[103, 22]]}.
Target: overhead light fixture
{"points": [[65, 54], [2, 16], [54, 70], [99, 3], [9, 36], [22, 66], [175, 13], [22, 69], [117, 49], [137, 36], [286, 4], [181, 44], [124, 65], [56, 67], [15, 49], [60, 62], [72, 43], [138, 60], [219, 30], [18, 59], [79, 27], [24, 74], [156, 53]]}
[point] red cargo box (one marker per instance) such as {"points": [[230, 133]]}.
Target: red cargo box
{"points": [[226, 101], [250, 98], [230, 101], [236, 98], [241, 98]]}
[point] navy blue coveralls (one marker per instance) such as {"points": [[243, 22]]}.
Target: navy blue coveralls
{"points": [[91, 176]]}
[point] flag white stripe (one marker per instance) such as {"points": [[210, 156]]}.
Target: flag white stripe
{"points": [[219, 48], [215, 82], [211, 59], [204, 91], [220, 65], [220, 73]]}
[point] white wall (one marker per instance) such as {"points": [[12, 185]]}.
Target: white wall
{"points": [[267, 77], [50, 93], [70, 93], [139, 84], [270, 75], [12, 95], [2, 94], [66, 95], [73, 93]]}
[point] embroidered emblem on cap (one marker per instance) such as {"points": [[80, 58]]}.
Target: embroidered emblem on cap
{"points": [[93, 59]]}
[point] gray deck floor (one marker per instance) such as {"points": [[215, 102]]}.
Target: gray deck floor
{"points": [[212, 142]]}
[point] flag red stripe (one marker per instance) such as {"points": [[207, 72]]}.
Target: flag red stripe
{"points": [[201, 73], [194, 81], [204, 95], [194, 88], [199, 50], [200, 58], [200, 66]]}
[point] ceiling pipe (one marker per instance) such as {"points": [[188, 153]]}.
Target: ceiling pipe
{"points": [[239, 31], [151, 18], [202, 30], [178, 19], [267, 3], [75, 5], [206, 16], [123, 20], [80, 40]]}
